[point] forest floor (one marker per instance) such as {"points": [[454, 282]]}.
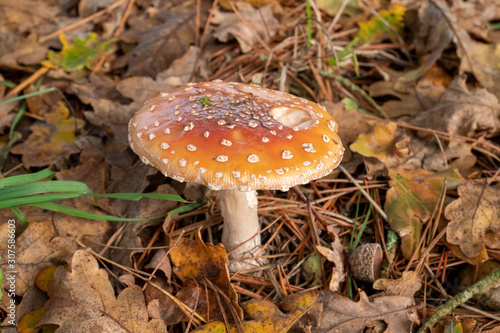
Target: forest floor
{"points": [[414, 88]]}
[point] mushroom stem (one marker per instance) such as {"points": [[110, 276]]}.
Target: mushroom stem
{"points": [[241, 225]]}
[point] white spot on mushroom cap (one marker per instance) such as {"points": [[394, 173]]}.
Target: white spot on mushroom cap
{"points": [[164, 145], [182, 163], [139, 134], [166, 130], [206, 134], [202, 170], [144, 160], [320, 165], [326, 138], [191, 147], [309, 147], [165, 161], [222, 158], [164, 94], [178, 178], [306, 163], [331, 125], [226, 142], [286, 154], [253, 124], [264, 139], [218, 175], [253, 158], [221, 122], [134, 124], [188, 127], [157, 123], [280, 171], [152, 136], [236, 174], [152, 108]]}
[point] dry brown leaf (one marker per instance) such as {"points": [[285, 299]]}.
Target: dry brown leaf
{"points": [[259, 24], [462, 112], [160, 40], [340, 314], [37, 247], [488, 297], [336, 256], [385, 142], [351, 124], [52, 142], [33, 299], [83, 300], [197, 263], [407, 285], [266, 317], [411, 98], [476, 211], [433, 36]]}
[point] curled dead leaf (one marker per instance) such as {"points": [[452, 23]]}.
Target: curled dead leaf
{"points": [[476, 211]]}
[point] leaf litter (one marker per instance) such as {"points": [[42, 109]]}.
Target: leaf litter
{"points": [[428, 172]]}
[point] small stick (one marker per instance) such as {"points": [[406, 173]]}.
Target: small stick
{"points": [[367, 196], [79, 23], [459, 299], [41, 71]]}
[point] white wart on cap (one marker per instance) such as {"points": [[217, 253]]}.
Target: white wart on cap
{"points": [[236, 136]]}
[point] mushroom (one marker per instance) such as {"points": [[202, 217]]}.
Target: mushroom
{"points": [[236, 138], [366, 261]]}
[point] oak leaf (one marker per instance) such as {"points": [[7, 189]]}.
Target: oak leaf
{"points": [[407, 285], [197, 263], [259, 24], [411, 201], [472, 215], [336, 256], [385, 142], [266, 317], [37, 247], [340, 314], [50, 143], [83, 300]]}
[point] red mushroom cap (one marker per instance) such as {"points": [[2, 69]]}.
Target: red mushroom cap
{"points": [[236, 136]]}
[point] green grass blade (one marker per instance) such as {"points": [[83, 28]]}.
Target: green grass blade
{"points": [[17, 118], [138, 196], [80, 213], [24, 179], [44, 187], [186, 208], [30, 200], [20, 216], [18, 98]]}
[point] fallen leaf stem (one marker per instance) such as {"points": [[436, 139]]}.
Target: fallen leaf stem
{"points": [[459, 299]]}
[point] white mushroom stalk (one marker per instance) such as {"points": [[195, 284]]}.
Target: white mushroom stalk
{"points": [[235, 136], [241, 231]]}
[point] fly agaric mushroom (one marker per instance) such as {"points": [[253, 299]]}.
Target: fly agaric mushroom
{"points": [[236, 138]]}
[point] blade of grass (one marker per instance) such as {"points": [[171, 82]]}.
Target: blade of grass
{"points": [[16, 202], [18, 98], [60, 186], [20, 216], [24, 179], [138, 196], [80, 213], [309, 23], [362, 229]]}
